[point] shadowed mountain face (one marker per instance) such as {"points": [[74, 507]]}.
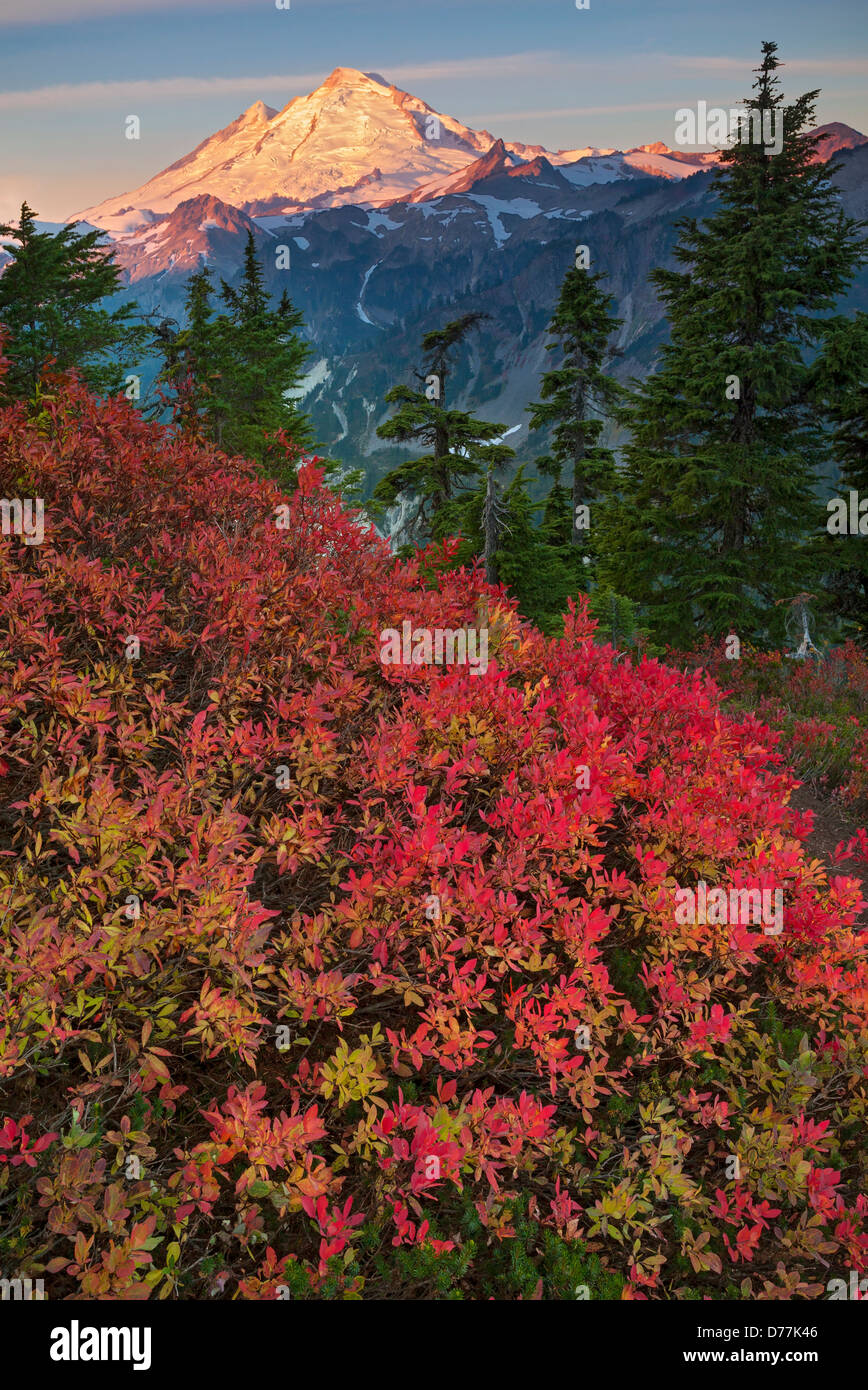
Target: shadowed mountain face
{"points": [[371, 282], [397, 219]]}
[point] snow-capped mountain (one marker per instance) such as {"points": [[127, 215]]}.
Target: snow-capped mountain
{"points": [[399, 218], [356, 138], [370, 282], [201, 229]]}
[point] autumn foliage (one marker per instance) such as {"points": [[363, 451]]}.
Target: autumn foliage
{"points": [[319, 1039], [820, 708]]}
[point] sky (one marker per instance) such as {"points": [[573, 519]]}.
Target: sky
{"points": [[542, 71]]}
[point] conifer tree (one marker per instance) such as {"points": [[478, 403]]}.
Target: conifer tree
{"points": [[714, 510], [233, 373], [842, 390], [263, 359], [493, 512], [577, 395], [538, 563], [459, 488], [192, 363], [52, 302], [458, 447]]}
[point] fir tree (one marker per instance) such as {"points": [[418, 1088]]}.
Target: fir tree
{"points": [[576, 394], [51, 301], [493, 522], [263, 364], [459, 488], [717, 500], [192, 363], [538, 563], [616, 620], [842, 390], [234, 373], [458, 447]]}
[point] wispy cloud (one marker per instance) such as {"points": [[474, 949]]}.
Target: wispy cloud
{"points": [[18, 12], [502, 65], [745, 65], [69, 95], [66, 95], [85, 94], [22, 12], [556, 111]]}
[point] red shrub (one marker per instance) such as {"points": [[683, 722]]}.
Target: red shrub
{"points": [[297, 949]]}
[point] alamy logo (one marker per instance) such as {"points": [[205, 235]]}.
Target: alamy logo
{"points": [[75, 1343], [856, 1290], [23, 518], [423, 646], [22, 1290], [847, 518], [742, 907], [738, 126]]}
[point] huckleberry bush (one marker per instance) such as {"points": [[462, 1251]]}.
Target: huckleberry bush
{"points": [[345, 1035]]}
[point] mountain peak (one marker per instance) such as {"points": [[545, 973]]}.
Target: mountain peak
{"points": [[258, 112], [356, 139], [835, 137], [496, 160], [359, 139], [353, 77]]}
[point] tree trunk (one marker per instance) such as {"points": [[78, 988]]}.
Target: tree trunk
{"points": [[490, 528], [579, 456]]}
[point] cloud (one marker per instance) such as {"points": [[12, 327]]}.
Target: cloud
{"points": [[542, 64], [503, 65], [64, 95], [18, 12], [806, 65], [555, 111]]}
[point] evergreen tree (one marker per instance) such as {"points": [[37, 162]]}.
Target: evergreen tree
{"points": [[192, 363], [234, 373], [458, 448], [576, 394], [842, 390], [543, 565], [458, 489], [493, 522], [538, 563], [263, 357], [718, 496], [616, 621], [51, 301]]}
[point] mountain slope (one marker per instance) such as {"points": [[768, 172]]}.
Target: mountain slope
{"points": [[358, 139], [397, 219], [355, 130], [371, 282]]}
